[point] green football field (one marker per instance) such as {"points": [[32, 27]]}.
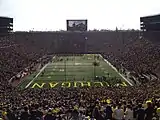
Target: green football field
{"points": [[83, 70]]}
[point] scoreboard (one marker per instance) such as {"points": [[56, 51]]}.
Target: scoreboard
{"points": [[76, 25]]}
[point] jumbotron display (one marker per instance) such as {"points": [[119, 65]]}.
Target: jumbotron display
{"points": [[76, 25]]}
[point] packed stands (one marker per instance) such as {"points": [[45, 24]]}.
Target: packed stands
{"points": [[139, 57]]}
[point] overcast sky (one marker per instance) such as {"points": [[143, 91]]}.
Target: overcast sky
{"points": [[101, 14]]}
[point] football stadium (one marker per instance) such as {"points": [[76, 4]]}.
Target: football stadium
{"points": [[78, 73]]}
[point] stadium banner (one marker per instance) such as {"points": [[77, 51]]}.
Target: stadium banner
{"points": [[69, 84], [76, 25]]}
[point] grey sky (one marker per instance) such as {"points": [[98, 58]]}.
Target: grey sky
{"points": [[101, 14]]}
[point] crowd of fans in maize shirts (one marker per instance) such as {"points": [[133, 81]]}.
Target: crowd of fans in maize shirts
{"points": [[23, 51]]}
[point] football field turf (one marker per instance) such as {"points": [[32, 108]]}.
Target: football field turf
{"points": [[75, 71]]}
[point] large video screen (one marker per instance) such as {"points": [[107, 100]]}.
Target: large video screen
{"points": [[76, 25]]}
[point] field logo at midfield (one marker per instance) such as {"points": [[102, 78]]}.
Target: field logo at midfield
{"points": [[74, 84]]}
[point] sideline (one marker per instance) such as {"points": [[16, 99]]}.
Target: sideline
{"points": [[116, 70], [36, 75]]}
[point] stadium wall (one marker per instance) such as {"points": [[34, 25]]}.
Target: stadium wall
{"points": [[67, 42]]}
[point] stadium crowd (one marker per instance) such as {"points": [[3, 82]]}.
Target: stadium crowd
{"points": [[22, 51]]}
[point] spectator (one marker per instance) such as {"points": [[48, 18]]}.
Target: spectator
{"points": [[149, 111], [140, 112], [49, 116], [129, 113], [25, 115], [108, 112], [118, 113]]}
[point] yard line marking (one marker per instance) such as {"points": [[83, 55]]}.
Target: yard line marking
{"points": [[116, 70]]}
